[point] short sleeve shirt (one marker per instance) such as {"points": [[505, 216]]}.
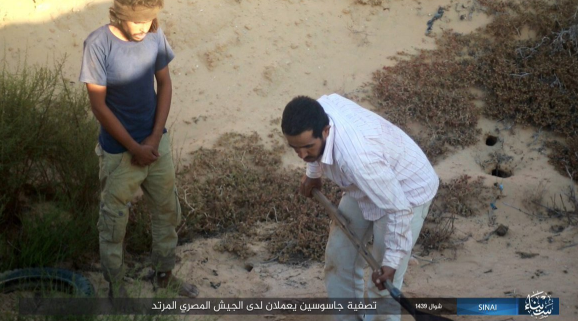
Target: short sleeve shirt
{"points": [[127, 69]]}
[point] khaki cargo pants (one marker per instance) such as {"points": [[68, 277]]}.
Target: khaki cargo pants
{"points": [[119, 181]]}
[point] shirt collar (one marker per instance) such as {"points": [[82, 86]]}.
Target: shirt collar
{"points": [[327, 157]]}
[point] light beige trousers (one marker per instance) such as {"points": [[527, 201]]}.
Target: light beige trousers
{"points": [[344, 267], [119, 182]]}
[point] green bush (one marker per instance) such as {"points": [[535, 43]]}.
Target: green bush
{"points": [[50, 235], [47, 139]]}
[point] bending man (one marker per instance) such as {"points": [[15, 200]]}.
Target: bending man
{"points": [[388, 182]]}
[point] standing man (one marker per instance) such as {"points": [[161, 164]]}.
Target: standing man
{"points": [[120, 64], [388, 182]]}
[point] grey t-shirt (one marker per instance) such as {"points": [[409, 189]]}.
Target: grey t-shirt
{"points": [[127, 70]]}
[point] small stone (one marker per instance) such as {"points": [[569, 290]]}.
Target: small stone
{"points": [[526, 255], [502, 230], [557, 228]]}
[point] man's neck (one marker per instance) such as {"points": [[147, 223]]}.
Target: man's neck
{"points": [[118, 32]]}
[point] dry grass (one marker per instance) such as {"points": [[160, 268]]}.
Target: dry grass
{"points": [[530, 81], [238, 184], [462, 196], [563, 206]]}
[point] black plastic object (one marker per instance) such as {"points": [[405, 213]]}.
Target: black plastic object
{"points": [[32, 279]]}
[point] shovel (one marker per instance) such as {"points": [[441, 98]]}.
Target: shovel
{"points": [[341, 221]]}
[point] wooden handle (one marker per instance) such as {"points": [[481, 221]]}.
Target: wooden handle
{"points": [[343, 223], [395, 293]]}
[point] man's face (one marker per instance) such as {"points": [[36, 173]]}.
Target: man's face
{"points": [[307, 147], [136, 31]]}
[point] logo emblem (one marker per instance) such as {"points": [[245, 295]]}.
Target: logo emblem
{"points": [[539, 305]]}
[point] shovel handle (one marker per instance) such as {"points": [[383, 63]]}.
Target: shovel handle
{"points": [[341, 220], [343, 223], [395, 293]]}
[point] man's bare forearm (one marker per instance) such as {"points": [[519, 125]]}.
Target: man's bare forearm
{"points": [[164, 96]]}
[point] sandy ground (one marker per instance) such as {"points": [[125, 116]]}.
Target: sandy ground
{"points": [[239, 62]]}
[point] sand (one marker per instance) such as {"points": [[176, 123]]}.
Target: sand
{"points": [[239, 62]]}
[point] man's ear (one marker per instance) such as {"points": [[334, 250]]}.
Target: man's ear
{"points": [[325, 131]]}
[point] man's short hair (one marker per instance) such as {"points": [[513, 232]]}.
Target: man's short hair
{"points": [[302, 114], [115, 21]]}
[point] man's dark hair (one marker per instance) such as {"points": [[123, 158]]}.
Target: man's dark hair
{"points": [[303, 114]]}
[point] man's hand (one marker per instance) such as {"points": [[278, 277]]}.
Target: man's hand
{"points": [[153, 141], [379, 277], [144, 155], [308, 184]]}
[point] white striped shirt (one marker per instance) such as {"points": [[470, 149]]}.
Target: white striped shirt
{"points": [[380, 166]]}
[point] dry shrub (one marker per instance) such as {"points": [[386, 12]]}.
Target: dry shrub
{"points": [[530, 81], [534, 196], [564, 156], [437, 232], [239, 183], [235, 243], [369, 2], [461, 196], [563, 206], [418, 89]]}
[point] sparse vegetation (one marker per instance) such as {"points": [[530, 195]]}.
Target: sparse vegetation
{"points": [[564, 156], [563, 206], [239, 184], [521, 79], [461, 196], [48, 168], [464, 196], [50, 193], [525, 80], [369, 2]]}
